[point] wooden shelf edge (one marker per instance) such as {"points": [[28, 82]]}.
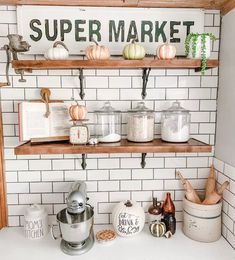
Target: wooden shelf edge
{"points": [[157, 146], [111, 64]]}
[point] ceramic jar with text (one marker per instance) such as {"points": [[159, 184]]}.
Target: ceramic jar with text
{"points": [[108, 124], [140, 124], [175, 125], [36, 222]]}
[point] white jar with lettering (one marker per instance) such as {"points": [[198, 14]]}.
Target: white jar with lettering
{"points": [[36, 222]]}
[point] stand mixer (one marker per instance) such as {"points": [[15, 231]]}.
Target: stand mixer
{"points": [[76, 222]]}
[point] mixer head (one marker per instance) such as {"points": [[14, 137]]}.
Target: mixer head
{"points": [[76, 200]]}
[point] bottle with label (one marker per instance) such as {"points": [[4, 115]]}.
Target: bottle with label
{"points": [[155, 211], [169, 219]]}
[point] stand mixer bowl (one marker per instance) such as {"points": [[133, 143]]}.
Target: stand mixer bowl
{"points": [[75, 229]]}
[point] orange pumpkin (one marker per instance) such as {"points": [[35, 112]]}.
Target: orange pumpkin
{"points": [[77, 112], [97, 52], [166, 51]]}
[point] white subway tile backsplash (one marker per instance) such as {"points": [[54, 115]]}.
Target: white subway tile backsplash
{"points": [[190, 82], [16, 165], [130, 185], [108, 94], [199, 93], [152, 184], [142, 174], [65, 164], [120, 82], [108, 185], [52, 175], [142, 195], [110, 178], [52, 198], [181, 93], [40, 187], [10, 93], [175, 162], [39, 165], [28, 176], [17, 188], [96, 82], [166, 82], [29, 198]]}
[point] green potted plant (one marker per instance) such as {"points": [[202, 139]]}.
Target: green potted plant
{"points": [[197, 46]]}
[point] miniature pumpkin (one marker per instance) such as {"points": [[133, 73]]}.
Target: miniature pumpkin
{"points": [[166, 51], [97, 52], [77, 112], [133, 51], [128, 218], [157, 228], [59, 51]]}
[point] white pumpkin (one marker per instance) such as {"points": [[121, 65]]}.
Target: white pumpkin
{"points": [[59, 51], [128, 218]]}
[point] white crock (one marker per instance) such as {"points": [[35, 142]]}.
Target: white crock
{"points": [[202, 222], [36, 222]]}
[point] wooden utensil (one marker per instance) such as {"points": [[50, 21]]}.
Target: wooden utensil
{"points": [[210, 184], [190, 193], [215, 196]]}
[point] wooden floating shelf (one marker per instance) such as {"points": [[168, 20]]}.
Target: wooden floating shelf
{"points": [[178, 63], [157, 146]]}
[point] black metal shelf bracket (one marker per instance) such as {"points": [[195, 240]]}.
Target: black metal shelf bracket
{"points": [[143, 162], [145, 77], [81, 79], [84, 164]]}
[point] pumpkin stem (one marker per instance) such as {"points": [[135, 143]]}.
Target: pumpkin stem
{"points": [[60, 43], [92, 39], [128, 204]]}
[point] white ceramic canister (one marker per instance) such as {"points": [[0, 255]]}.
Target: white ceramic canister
{"points": [[36, 222], [202, 222]]}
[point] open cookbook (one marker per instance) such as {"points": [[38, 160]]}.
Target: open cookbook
{"points": [[34, 124]]}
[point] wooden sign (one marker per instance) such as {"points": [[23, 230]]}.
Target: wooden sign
{"points": [[114, 27]]}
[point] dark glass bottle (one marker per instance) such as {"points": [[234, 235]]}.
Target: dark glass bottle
{"points": [[155, 211], [169, 219], [170, 222]]}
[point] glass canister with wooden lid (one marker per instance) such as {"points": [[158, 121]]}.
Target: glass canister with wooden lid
{"points": [[140, 124]]}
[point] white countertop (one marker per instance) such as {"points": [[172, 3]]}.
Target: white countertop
{"points": [[13, 245]]}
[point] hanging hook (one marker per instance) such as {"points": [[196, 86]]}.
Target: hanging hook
{"points": [[83, 164], [81, 78], [143, 162], [145, 77]]}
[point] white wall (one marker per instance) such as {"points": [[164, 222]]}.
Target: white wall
{"points": [[225, 134]]}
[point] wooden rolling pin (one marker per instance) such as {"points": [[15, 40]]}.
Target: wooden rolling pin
{"points": [[190, 193], [215, 196], [210, 184]]}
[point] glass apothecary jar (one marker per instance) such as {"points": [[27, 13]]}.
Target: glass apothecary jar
{"points": [[108, 124], [140, 124], [175, 124]]}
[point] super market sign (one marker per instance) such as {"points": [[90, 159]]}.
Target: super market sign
{"points": [[113, 27]]}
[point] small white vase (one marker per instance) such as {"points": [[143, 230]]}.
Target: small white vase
{"points": [[198, 48]]}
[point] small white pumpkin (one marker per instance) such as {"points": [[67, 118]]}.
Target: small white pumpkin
{"points": [[59, 51], [128, 218], [157, 228]]}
